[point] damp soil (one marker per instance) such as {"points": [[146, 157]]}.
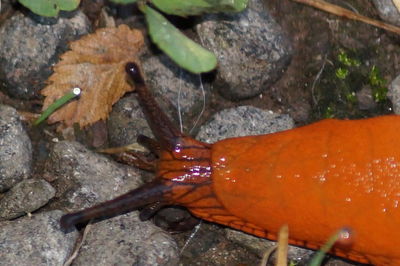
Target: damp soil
{"points": [[311, 89]]}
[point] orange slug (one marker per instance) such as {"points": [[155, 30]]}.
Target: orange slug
{"points": [[316, 179]]}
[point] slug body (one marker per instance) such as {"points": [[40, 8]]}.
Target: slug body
{"points": [[316, 179]]}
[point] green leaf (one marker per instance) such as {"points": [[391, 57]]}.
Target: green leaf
{"points": [[68, 5], [236, 5], [197, 7], [50, 8], [186, 53], [182, 8], [124, 1]]}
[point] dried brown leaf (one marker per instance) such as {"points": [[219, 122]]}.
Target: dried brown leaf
{"points": [[96, 64]]}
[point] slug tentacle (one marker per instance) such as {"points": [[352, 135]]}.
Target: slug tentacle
{"points": [[163, 129], [134, 199]]}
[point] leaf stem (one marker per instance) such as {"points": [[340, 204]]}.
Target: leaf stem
{"points": [[341, 235], [57, 104]]}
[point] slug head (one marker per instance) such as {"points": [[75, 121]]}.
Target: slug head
{"points": [[182, 169]]}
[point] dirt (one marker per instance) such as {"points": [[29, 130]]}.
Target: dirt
{"points": [[309, 90]]}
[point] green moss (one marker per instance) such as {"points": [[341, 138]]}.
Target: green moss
{"points": [[329, 112], [344, 58], [342, 73], [346, 72], [351, 97], [378, 85]]}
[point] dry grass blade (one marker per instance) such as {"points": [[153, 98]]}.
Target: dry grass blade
{"points": [[96, 64], [283, 239], [281, 247], [397, 4], [343, 12], [131, 147]]}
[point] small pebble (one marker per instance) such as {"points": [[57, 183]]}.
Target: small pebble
{"points": [[26, 197]]}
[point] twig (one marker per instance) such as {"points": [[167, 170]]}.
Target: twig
{"points": [[203, 107], [281, 248], [76, 251], [192, 235], [343, 12], [267, 254], [317, 78], [397, 4]]}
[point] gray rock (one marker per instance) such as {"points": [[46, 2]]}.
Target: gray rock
{"points": [[365, 99], [394, 94], [388, 11], [35, 240], [251, 48], [260, 246], [29, 49], [174, 88], [126, 122], [89, 177], [27, 196], [256, 244], [243, 121], [124, 240], [15, 149]]}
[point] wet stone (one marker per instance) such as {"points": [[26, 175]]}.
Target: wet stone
{"points": [[125, 240], [126, 122], [394, 94], [388, 11], [365, 99], [175, 89], [259, 246], [251, 48], [208, 245], [35, 240], [175, 219], [29, 49], [243, 121], [25, 197], [88, 177], [15, 149]]}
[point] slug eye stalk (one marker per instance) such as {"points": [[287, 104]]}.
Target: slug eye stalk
{"points": [[165, 132]]}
